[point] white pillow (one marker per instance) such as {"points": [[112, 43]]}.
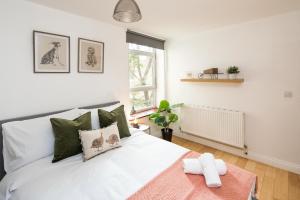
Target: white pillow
{"points": [[29, 140], [94, 114], [98, 141]]}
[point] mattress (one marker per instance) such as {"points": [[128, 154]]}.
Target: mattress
{"points": [[116, 174]]}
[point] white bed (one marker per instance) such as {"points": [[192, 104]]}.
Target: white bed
{"points": [[116, 174]]}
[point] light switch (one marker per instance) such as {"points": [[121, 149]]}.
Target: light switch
{"points": [[288, 94]]}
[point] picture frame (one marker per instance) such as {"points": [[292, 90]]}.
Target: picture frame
{"points": [[90, 56], [51, 53]]}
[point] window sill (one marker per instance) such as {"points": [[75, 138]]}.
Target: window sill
{"points": [[142, 114]]}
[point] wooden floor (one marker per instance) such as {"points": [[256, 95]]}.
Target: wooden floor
{"points": [[273, 183]]}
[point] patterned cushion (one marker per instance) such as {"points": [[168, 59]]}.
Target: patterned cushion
{"points": [[98, 141]]}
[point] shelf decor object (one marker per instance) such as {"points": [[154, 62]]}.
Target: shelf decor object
{"points": [[135, 123], [212, 72], [127, 11], [232, 72], [194, 80]]}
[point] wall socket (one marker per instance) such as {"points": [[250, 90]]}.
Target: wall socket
{"points": [[288, 94]]}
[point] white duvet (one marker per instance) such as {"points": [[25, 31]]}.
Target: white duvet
{"points": [[116, 174]]}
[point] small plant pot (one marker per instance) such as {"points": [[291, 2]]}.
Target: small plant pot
{"points": [[167, 134], [232, 76]]}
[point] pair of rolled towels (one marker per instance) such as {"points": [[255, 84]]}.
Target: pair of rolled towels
{"points": [[208, 166]]}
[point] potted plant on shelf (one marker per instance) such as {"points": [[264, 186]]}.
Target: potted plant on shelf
{"points": [[164, 117], [232, 72]]}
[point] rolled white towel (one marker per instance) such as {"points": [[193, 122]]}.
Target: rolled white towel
{"points": [[193, 166], [221, 167], [212, 178]]}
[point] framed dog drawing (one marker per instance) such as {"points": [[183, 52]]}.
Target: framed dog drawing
{"points": [[90, 56], [51, 53]]}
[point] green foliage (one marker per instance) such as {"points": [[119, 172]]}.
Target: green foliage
{"points": [[173, 117], [164, 105], [134, 61], [164, 115], [233, 70], [140, 74]]}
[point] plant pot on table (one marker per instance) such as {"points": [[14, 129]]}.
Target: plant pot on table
{"points": [[167, 134], [232, 76]]}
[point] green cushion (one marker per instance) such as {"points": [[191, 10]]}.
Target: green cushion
{"points": [[67, 142], [117, 115]]}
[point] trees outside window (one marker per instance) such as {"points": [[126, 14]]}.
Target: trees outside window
{"points": [[142, 77]]}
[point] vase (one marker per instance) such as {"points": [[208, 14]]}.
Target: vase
{"points": [[232, 76], [167, 134]]}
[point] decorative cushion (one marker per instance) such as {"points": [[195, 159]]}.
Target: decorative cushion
{"points": [[106, 118], [94, 112], [98, 141], [29, 140], [67, 141]]}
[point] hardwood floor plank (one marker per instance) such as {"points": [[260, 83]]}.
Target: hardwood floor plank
{"points": [[208, 150], [241, 162], [294, 186], [267, 189], [226, 157], [177, 141], [270, 172], [250, 166], [218, 154], [233, 159], [281, 185], [195, 147], [260, 172]]}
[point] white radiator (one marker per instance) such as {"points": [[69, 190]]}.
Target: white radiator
{"points": [[217, 124]]}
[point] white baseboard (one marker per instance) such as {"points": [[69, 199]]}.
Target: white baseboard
{"points": [[223, 147], [275, 162]]}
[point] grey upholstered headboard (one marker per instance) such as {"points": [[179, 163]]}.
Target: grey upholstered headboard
{"points": [[2, 172]]}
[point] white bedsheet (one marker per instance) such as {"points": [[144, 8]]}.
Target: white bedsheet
{"points": [[116, 174]]}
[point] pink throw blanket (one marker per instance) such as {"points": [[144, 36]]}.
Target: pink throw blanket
{"points": [[174, 184]]}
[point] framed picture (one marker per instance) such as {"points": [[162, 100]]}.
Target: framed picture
{"points": [[51, 53], [90, 56]]}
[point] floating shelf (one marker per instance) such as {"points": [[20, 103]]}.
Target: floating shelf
{"points": [[213, 80]]}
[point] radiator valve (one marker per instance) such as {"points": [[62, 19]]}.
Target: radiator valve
{"points": [[245, 149]]}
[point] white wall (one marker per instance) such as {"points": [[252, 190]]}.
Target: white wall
{"points": [[268, 53], [23, 92]]}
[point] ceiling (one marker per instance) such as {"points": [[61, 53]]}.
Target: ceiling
{"points": [[176, 18]]}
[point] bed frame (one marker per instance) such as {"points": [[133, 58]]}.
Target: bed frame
{"points": [[2, 172]]}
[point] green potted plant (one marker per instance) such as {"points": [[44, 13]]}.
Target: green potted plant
{"points": [[164, 117], [232, 72]]}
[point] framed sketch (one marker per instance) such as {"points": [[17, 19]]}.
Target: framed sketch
{"points": [[51, 53], [90, 56]]}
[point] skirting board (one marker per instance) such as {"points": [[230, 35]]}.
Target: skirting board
{"points": [[275, 162]]}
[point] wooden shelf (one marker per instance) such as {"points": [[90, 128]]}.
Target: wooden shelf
{"points": [[213, 80]]}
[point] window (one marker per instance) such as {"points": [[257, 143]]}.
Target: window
{"points": [[142, 77]]}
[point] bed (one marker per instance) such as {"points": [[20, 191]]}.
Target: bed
{"points": [[116, 174]]}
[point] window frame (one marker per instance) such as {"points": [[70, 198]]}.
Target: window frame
{"points": [[154, 77]]}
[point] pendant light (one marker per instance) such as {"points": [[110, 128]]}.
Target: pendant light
{"points": [[127, 11]]}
